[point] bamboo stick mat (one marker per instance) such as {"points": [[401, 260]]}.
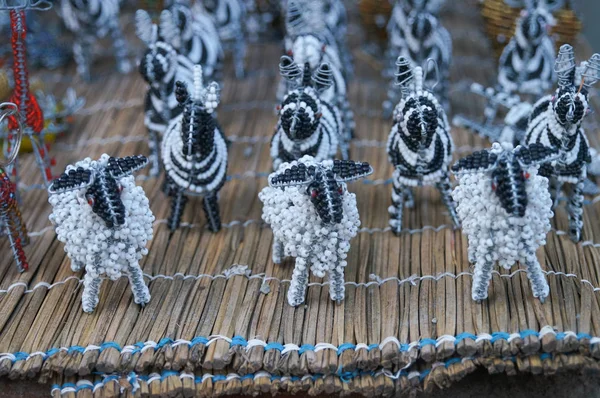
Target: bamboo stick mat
{"points": [[219, 322]]}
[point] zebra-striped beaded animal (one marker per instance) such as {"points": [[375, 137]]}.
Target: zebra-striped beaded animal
{"points": [[416, 34], [556, 122], [313, 217], [505, 209], [105, 221], [419, 145], [194, 152], [162, 65], [90, 20], [308, 124], [526, 64]]}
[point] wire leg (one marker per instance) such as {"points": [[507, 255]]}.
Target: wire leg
{"points": [[297, 292], [446, 191], [211, 209], [575, 210], [91, 292]]}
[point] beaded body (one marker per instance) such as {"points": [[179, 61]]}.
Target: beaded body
{"points": [[313, 218], [229, 16], [526, 64], [11, 222], [194, 153], [419, 145], [556, 122], [308, 125], [505, 210], [105, 221], [416, 35], [90, 20]]}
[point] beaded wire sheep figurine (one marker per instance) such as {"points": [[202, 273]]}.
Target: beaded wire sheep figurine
{"points": [[105, 221], [11, 222], [90, 20], [526, 64], [505, 209], [419, 145], [556, 122], [194, 152], [421, 37], [313, 217], [308, 125]]}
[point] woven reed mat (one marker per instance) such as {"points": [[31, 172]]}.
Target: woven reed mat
{"points": [[219, 312]]}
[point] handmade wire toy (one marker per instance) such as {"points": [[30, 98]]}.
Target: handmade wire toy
{"points": [[505, 209], [105, 221], [11, 221], [419, 145], [313, 218]]}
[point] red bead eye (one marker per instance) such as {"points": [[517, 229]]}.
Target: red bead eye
{"points": [[493, 186], [90, 201], [314, 193], [290, 53], [526, 175], [340, 190], [120, 188]]}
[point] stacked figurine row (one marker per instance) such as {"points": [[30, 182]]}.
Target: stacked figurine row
{"points": [[504, 195]]}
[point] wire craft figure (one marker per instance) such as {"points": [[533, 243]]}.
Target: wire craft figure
{"points": [[526, 64], [505, 209], [29, 114], [229, 17], [419, 145], [308, 125], [194, 152], [313, 217], [556, 122], [105, 221], [90, 20], [309, 40], [162, 65], [11, 222], [418, 36]]}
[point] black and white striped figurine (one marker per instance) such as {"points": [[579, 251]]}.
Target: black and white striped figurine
{"points": [[556, 122], [194, 35], [194, 152], [160, 66], [419, 36], [90, 20], [308, 125], [419, 145], [526, 64], [229, 17]]}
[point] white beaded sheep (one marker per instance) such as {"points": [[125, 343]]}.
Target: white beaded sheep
{"points": [[505, 210], [105, 221], [313, 217]]}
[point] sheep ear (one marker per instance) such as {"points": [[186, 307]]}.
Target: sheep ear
{"points": [[168, 29], [72, 180], [591, 70], [477, 162], [279, 179], [404, 73], [323, 77], [535, 154], [144, 27], [348, 170], [564, 66], [122, 167]]}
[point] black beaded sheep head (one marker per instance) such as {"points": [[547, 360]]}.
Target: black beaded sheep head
{"points": [[418, 113], [422, 25], [300, 111], [159, 62], [570, 102], [323, 182], [508, 168], [198, 122], [101, 185]]}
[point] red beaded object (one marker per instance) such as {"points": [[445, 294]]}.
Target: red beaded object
{"points": [[29, 112], [11, 221]]}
